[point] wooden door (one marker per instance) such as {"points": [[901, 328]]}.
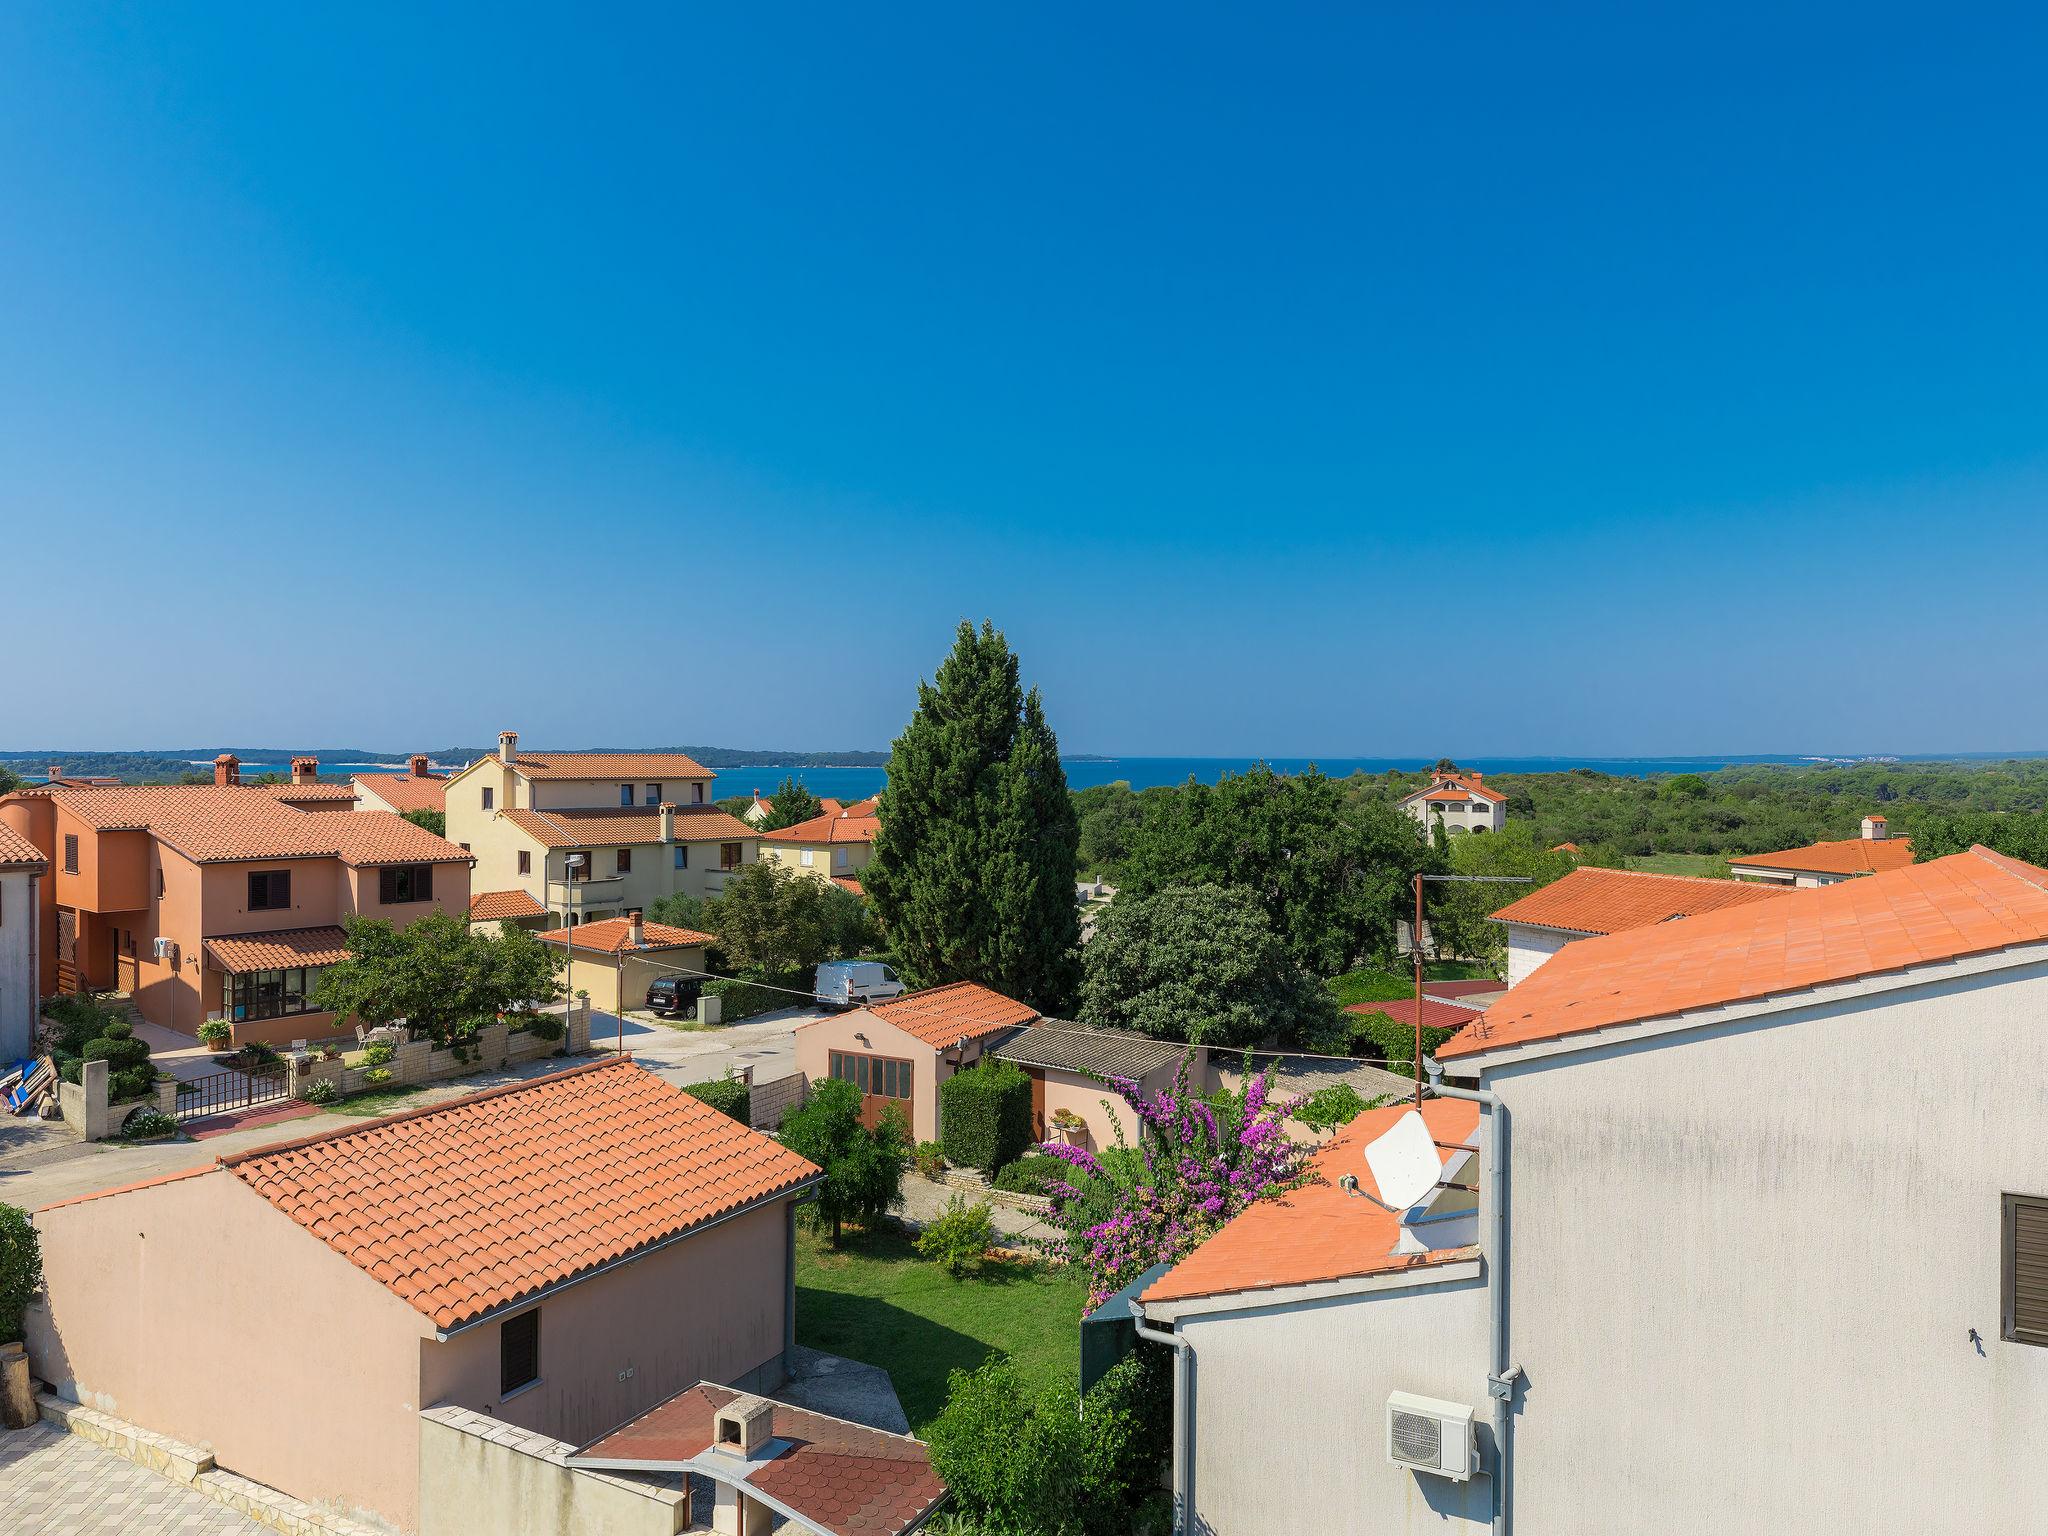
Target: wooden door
{"points": [[1037, 1103], [67, 950]]}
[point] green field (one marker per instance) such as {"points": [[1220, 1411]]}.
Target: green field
{"points": [[876, 1301], [1375, 986], [1711, 865]]}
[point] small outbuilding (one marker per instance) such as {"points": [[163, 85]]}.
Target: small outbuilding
{"points": [[615, 959], [1067, 1064]]}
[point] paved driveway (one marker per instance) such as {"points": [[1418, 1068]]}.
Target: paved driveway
{"points": [[52, 1482], [767, 1044]]}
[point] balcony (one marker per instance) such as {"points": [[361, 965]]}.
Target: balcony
{"points": [[583, 896]]}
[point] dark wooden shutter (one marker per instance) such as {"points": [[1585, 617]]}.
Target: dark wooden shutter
{"points": [[423, 883], [2026, 1269], [518, 1351], [387, 884]]}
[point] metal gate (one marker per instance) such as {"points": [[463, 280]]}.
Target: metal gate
{"points": [[218, 1092]]}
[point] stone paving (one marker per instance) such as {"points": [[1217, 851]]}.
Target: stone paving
{"points": [[58, 1484]]}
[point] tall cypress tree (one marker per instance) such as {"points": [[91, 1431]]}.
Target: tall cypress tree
{"points": [[973, 868]]}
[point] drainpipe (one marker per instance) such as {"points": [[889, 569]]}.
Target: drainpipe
{"points": [[1501, 1379], [1183, 1418]]}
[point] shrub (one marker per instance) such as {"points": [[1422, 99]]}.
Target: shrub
{"points": [[1394, 1042], [1332, 1106], [544, 1027], [117, 1029], [930, 1159], [863, 1168], [956, 1239], [744, 999], [376, 1077], [130, 1083], [117, 1054], [215, 1033], [320, 1091], [147, 1124], [378, 1053], [985, 1115], [257, 1057], [21, 1269], [727, 1095], [1029, 1174]]}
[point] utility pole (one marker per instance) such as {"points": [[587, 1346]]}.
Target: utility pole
{"points": [[570, 864], [1415, 945]]}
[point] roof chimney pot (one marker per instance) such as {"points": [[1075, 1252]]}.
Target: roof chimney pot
{"points": [[227, 769], [668, 821], [54, 772], [1875, 829], [419, 765], [508, 746], [305, 770], [636, 929]]}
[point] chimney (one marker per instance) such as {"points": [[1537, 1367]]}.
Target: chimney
{"points": [[54, 772], [668, 821], [305, 770], [1475, 776], [743, 1427], [636, 930], [508, 746], [227, 769], [418, 765], [1875, 829]]}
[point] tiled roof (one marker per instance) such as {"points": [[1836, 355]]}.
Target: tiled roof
{"points": [[1847, 856], [405, 792], [841, 1477], [1474, 988], [626, 826], [213, 823], [1436, 1013], [308, 794], [1456, 781], [1318, 1232], [872, 806], [17, 852], [247, 952], [492, 906], [1590, 900], [1068, 1047], [944, 1016], [649, 766], [1968, 903], [609, 937], [477, 1203], [848, 883], [845, 827]]}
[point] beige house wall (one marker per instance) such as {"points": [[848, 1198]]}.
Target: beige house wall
{"points": [[845, 860], [497, 844], [1104, 1111], [859, 1030], [475, 1477], [613, 980], [197, 1310]]}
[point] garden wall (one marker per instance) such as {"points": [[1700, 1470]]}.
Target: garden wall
{"points": [[419, 1061]]}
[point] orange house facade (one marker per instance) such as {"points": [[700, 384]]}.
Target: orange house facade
{"points": [[221, 900]]}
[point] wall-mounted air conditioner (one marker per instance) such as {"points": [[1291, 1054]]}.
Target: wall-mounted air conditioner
{"points": [[1426, 1434], [164, 949]]}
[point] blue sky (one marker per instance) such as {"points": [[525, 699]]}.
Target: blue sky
{"points": [[1346, 380]]}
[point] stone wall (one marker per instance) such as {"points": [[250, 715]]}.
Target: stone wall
{"points": [[418, 1061]]}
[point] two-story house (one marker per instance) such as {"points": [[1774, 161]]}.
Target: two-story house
{"points": [[835, 845], [220, 900], [1458, 802], [638, 826]]}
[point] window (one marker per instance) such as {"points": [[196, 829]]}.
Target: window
{"points": [[682, 855], [525, 861], [270, 890], [489, 797], [696, 794], [581, 871], [159, 885], [653, 795], [519, 1352], [2024, 1317], [398, 884], [625, 794], [70, 853], [728, 855], [805, 858], [880, 1077], [625, 861], [840, 858], [463, 846], [270, 994]]}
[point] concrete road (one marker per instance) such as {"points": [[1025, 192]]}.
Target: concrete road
{"points": [[766, 1043]]}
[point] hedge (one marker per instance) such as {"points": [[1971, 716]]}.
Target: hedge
{"points": [[743, 999], [727, 1095], [985, 1116], [1393, 1041]]}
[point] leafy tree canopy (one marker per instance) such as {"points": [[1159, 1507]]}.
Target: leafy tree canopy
{"points": [[435, 822], [790, 804], [863, 1168], [772, 920], [437, 974]]}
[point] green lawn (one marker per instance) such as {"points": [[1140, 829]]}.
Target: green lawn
{"points": [[875, 1300], [379, 1101], [1711, 865], [1375, 986]]}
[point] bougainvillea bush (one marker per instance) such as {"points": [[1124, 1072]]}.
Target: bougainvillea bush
{"points": [[1198, 1163]]}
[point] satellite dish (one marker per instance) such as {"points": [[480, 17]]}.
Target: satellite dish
{"points": [[1404, 1162]]}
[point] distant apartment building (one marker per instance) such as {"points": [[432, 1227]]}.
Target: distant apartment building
{"points": [[221, 900], [1458, 802], [835, 845], [419, 788], [589, 836], [23, 871], [1826, 863]]}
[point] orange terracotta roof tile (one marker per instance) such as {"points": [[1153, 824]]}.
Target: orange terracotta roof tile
{"points": [[1319, 1232], [385, 837], [844, 827], [1459, 784], [241, 953], [307, 794], [1592, 900], [848, 883], [1968, 903], [942, 1017], [475, 1204], [494, 906], [17, 852], [610, 765], [214, 823], [405, 791], [627, 826], [609, 937], [1845, 856], [1436, 1013]]}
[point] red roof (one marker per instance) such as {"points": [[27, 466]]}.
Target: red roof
{"points": [[1319, 1232], [405, 791], [17, 852], [942, 1017], [1472, 988], [1969, 903], [1439, 781], [609, 936], [1846, 856], [1593, 900], [847, 883], [626, 826], [218, 823], [494, 906], [480, 1202], [282, 950], [842, 827], [1436, 1014]]}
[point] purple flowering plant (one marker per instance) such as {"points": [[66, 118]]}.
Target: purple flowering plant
{"points": [[1197, 1164]]}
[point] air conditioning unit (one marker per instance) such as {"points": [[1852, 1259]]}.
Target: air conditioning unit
{"points": [[164, 949], [1426, 1434]]}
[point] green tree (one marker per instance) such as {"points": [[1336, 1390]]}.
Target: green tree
{"points": [[1201, 964], [973, 867], [771, 920], [21, 1269], [437, 974], [1459, 915], [435, 822], [863, 1168], [790, 804]]}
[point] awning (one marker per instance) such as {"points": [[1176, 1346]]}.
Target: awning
{"points": [[278, 951]]}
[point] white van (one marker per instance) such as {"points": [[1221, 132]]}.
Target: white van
{"points": [[849, 983]]}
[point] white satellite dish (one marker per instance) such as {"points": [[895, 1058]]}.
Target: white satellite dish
{"points": [[1404, 1163]]}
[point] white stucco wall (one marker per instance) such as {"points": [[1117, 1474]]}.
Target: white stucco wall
{"points": [[1529, 947], [18, 918], [1747, 1263]]}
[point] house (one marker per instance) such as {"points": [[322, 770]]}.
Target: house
{"points": [[1826, 863], [1692, 1200], [763, 806], [1458, 802], [1436, 1013], [638, 826], [222, 900], [613, 960], [54, 777], [419, 788], [1588, 901], [835, 845], [1066, 1063], [561, 1254], [898, 1052], [23, 872]]}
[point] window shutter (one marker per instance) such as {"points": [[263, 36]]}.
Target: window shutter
{"points": [[2026, 1269], [281, 889], [387, 885], [423, 883], [518, 1351]]}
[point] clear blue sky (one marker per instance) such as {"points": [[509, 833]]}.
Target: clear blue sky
{"points": [[1341, 380]]}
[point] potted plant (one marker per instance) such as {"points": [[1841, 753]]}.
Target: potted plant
{"points": [[1069, 1127], [215, 1034]]}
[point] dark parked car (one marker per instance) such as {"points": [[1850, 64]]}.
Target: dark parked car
{"points": [[673, 994]]}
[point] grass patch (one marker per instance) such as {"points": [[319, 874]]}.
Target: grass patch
{"points": [[382, 1102], [1712, 866], [1376, 986], [876, 1301]]}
